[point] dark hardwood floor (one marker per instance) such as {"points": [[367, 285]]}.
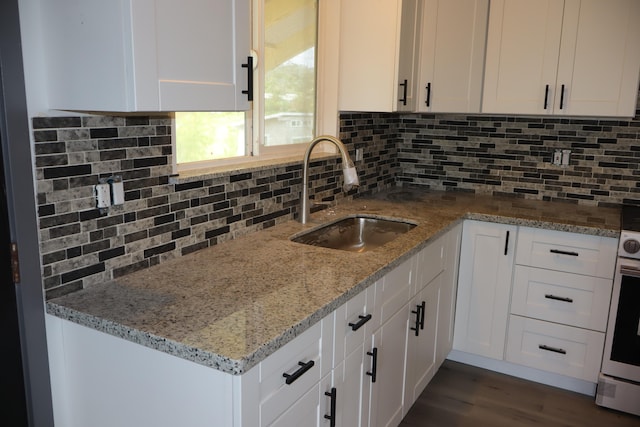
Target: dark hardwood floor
{"points": [[462, 395]]}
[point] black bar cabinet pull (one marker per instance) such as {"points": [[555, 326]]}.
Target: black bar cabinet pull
{"points": [[559, 252], [304, 367], [546, 96], [374, 364], [553, 349], [561, 97], [423, 309], [428, 100], [249, 67], [506, 244], [404, 96], [332, 416], [417, 312], [360, 323], [564, 299]]}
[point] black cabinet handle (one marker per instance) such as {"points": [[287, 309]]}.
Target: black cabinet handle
{"points": [[423, 309], [404, 96], [374, 364], [563, 299], [552, 349], [304, 367], [546, 96], [428, 100], [360, 323], [506, 244], [559, 252], [332, 417], [417, 312], [561, 97], [249, 67]]}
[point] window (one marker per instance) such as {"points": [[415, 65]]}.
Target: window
{"points": [[283, 118]]}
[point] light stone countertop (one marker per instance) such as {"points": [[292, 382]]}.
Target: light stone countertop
{"points": [[232, 305]]}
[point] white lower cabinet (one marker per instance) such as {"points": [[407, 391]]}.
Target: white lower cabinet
{"points": [[387, 370], [547, 322], [484, 285], [364, 364], [421, 364]]}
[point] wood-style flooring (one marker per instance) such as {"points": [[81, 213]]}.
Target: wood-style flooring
{"points": [[461, 395]]}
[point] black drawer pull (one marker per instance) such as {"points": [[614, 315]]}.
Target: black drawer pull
{"points": [[332, 416], [562, 97], [423, 309], [360, 323], [553, 349], [374, 364], [559, 252], [428, 100], [304, 367], [564, 299]]}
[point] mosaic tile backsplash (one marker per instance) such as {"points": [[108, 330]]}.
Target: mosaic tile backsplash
{"points": [[80, 245], [507, 155]]}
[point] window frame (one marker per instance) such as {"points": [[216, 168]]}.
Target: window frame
{"points": [[326, 109]]}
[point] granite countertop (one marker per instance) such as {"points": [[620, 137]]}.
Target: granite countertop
{"points": [[232, 305]]}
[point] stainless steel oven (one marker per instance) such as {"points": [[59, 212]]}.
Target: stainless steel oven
{"points": [[619, 382]]}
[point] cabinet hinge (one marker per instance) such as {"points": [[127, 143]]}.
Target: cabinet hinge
{"points": [[15, 264]]}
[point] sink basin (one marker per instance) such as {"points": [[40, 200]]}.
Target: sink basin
{"points": [[355, 234]]}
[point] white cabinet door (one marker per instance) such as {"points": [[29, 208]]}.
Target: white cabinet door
{"points": [[147, 55], [377, 53], [484, 284], [523, 44], [421, 363], [452, 48], [387, 363], [355, 387], [599, 58], [570, 57]]}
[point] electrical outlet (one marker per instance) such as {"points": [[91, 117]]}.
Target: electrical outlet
{"points": [[103, 195]]}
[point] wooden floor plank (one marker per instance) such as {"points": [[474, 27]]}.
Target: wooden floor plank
{"points": [[465, 396]]}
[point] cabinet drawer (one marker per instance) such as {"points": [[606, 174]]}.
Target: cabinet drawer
{"points": [[392, 292], [570, 252], [571, 299], [356, 313], [275, 394], [564, 350]]}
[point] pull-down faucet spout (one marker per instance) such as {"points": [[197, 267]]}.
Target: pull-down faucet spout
{"points": [[348, 169]]}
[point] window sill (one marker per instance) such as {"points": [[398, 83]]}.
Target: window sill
{"points": [[250, 166]]}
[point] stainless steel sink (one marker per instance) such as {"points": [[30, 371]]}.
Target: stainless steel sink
{"points": [[355, 233]]}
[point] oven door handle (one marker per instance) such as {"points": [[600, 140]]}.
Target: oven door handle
{"points": [[628, 270]]}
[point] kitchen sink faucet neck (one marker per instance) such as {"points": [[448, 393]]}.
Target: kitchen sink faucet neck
{"points": [[348, 170]]}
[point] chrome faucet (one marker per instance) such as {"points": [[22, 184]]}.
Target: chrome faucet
{"points": [[348, 169]]}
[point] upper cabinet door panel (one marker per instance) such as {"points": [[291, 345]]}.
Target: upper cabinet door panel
{"points": [[452, 47], [146, 55], [523, 44], [600, 57], [199, 63]]}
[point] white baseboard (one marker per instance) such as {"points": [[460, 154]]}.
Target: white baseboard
{"points": [[524, 372]]}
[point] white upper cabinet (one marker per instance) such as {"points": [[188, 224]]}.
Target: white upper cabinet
{"points": [[377, 55], [147, 55], [452, 47], [568, 57]]}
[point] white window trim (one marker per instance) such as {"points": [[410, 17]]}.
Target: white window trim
{"points": [[327, 69]]}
